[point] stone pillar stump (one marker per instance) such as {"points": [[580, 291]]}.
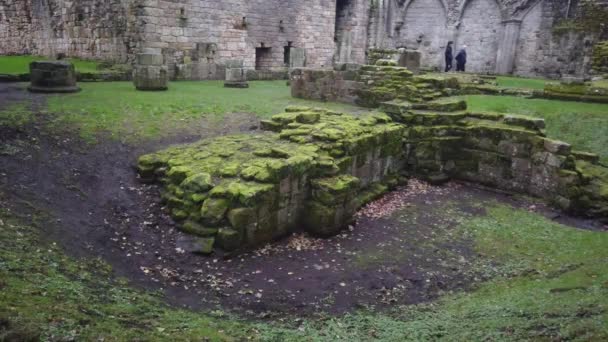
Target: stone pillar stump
{"points": [[52, 77], [236, 77], [150, 72]]}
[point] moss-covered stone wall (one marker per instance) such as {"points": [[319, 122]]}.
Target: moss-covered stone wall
{"points": [[369, 85], [583, 92], [501, 151], [314, 168], [313, 172]]}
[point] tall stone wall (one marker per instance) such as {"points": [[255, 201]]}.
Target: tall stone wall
{"points": [[352, 18], [257, 32], [503, 36], [198, 36], [87, 28]]}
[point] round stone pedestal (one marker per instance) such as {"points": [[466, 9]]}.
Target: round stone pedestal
{"points": [[150, 73], [52, 77]]}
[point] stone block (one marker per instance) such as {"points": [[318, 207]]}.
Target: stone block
{"points": [[151, 77], [236, 78], [151, 51], [150, 59], [234, 64], [557, 147], [410, 60]]}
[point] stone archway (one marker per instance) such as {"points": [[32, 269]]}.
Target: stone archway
{"points": [[528, 55], [424, 28], [479, 29]]}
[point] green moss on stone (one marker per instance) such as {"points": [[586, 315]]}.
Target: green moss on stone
{"points": [[229, 239], [204, 245], [214, 210], [195, 228], [200, 182], [308, 117]]}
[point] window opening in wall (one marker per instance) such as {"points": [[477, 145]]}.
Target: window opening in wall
{"points": [[341, 17], [287, 53], [263, 58]]}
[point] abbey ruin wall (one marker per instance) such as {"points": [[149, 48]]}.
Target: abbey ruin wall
{"points": [[502, 36], [92, 29], [197, 37]]}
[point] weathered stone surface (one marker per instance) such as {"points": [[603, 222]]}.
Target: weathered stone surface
{"points": [[150, 73], [52, 77], [248, 190], [503, 151], [368, 85], [319, 167], [236, 76], [579, 91], [150, 59], [197, 36], [410, 59]]}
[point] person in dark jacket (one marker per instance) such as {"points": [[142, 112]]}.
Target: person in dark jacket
{"points": [[449, 56], [461, 59]]}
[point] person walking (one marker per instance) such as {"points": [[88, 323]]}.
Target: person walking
{"points": [[461, 59], [449, 56]]}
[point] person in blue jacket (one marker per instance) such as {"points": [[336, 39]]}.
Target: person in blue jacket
{"points": [[461, 59]]}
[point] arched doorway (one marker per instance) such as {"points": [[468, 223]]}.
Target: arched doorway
{"points": [[424, 29], [479, 30]]}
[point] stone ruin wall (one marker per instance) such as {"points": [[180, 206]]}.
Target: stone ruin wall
{"points": [[212, 32], [93, 29], [198, 36], [319, 167], [502, 36], [443, 139]]}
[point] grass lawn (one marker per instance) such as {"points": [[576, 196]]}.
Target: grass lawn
{"points": [[130, 115], [552, 284], [14, 65], [521, 82], [584, 125]]}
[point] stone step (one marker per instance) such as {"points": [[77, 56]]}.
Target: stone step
{"points": [[443, 105], [395, 106]]}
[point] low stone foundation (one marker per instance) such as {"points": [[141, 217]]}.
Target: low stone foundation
{"points": [[369, 85], [502, 151], [575, 92], [312, 173], [318, 167]]}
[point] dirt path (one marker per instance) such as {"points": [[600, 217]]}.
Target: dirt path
{"points": [[403, 249]]}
